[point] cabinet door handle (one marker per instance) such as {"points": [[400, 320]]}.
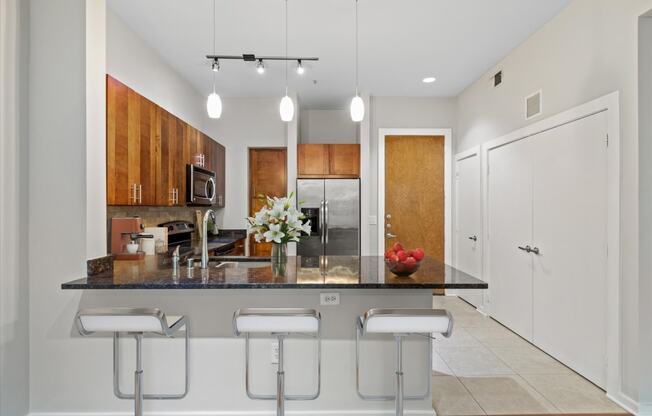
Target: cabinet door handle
{"points": [[473, 238], [527, 249], [140, 193], [536, 250]]}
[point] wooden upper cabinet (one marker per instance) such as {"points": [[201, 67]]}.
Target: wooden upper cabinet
{"points": [[130, 146], [344, 159], [328, 160], [312, 159], [148, 149]]}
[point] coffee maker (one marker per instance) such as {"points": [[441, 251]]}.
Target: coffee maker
{"points": [[126, 234]]}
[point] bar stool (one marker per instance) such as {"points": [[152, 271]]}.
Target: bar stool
{"points": [[401, 323], [280, 323], [135, 322]]}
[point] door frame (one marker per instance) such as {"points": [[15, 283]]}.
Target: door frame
{"points": [[609, 104], [448, 159]]}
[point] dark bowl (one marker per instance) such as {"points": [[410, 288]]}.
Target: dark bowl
{"points": [[401, 269]]}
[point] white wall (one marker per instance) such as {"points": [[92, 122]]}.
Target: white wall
{"points": [[588, 50], [645, 206], [57, 192], [401, 112], [327, 126], [95, 128], [14, 287]]}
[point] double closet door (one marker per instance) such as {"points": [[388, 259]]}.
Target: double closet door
{"points": [[547, 241]]}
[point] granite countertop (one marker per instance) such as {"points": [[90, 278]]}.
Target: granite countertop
{"points": [[337, 272]]}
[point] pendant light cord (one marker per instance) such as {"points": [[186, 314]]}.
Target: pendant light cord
{"points": [[356, 47], [213, 45], [286, 47]]}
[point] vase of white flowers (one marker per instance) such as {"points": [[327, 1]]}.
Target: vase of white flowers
{"points": [[279, 223]]}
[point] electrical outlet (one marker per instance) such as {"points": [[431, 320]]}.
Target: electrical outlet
{"points": [[329, 299], [274, 352]]}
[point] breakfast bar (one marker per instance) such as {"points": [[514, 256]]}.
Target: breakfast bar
{"points": [[341, 288]]}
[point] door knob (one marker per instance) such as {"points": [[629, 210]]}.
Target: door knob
{"points": [[388, 225], [390, 235], [388, 216], [527, 249], [474, 238]]}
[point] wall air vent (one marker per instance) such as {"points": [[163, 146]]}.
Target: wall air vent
{"points": [[498, 78], [533, 105]]}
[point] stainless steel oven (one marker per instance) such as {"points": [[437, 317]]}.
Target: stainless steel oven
{"points": [[200, 186]]}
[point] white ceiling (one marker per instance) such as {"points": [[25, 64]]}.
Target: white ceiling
{"points": [[401, 41]]}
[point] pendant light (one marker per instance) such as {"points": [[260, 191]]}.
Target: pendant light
{"points": [[286, 109], [357, 105], [214, 102]]}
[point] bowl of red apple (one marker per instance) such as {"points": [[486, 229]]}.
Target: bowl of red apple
{"points": [[403, 262]]}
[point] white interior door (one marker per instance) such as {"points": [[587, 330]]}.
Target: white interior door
{"points": [[570, 229], [468, 223], [509, 194]]}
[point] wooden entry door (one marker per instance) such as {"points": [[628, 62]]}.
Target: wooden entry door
{"points": [[414, 193], [267, 177]]}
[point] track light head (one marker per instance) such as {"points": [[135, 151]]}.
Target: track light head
{"points": [[300, 69], [260, 67], [215, 66]]}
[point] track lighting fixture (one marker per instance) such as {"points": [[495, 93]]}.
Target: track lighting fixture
{"points": [[300, 68], [215, 66], [260, 67]]}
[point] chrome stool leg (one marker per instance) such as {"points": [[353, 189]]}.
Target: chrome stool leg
{"points": [[280, 381], [399, 375], [138, 380]]}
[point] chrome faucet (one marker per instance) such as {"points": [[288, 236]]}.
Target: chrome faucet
{"points": [[204, 237]]}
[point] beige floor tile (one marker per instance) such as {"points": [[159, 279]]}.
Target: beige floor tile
{"points": [[473, 361], [439, 367], [451, 398], [571, 393], [507, 395], [459, 338], [496, 336], [527, 359]]}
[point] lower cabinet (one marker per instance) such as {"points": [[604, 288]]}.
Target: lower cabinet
{"points": [[547, 243]]}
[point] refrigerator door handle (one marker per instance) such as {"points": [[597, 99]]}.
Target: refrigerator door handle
{"points": [[321, 222], [326, 221]]}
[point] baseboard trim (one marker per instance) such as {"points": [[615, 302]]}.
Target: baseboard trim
{"points": [[243, 413], [626, 402]]}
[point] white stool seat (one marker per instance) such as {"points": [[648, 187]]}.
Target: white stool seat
{"points": [[126, 320], [406, 321], [267, 321]]}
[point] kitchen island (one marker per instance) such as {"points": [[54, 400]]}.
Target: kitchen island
{"points": [[210, 296]]}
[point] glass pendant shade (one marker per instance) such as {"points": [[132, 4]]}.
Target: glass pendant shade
{"points": [[214, 105], [286, 109], [357, 109]]}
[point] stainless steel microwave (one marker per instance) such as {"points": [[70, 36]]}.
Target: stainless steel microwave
{"points": [[200, 186]]}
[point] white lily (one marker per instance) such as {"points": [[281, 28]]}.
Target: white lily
{"points": [[274, 234]]}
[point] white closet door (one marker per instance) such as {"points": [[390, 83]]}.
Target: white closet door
{"points": [[468, 223], [570, 224], [509, 194]]}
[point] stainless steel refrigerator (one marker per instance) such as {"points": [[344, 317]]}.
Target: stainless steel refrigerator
{"points": [[333, 207]]}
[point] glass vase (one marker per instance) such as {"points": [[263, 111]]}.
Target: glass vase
{"points": [[279, 253]]}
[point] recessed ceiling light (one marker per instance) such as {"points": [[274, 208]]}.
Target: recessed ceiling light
{"points": [[429, 80]]}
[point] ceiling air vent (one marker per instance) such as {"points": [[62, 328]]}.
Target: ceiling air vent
{"points": [[498, 78], [533, 105]]}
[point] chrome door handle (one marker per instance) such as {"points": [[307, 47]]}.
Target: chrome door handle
{"points": [[474, 238], [527, 249], [321, 221], [390, 235], [536, 250], [326, 221]]}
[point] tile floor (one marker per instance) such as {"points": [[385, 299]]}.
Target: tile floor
{"points": [[485, 369]]}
